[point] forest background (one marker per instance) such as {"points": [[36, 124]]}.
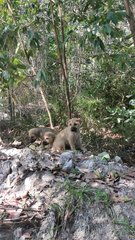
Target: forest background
{"points": [[60, 59]]}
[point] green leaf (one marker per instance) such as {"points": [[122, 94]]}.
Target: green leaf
{"points": [[41, 76], [16, 61], [132, 102], [35, 83], [21, 66], [30, 34], [104, 156], [44, 76], [6, 75], [18, 64], [107, 28], [119, 120], [112, 17]]}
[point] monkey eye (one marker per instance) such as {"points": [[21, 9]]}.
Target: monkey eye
{"points": [[75, 124]]}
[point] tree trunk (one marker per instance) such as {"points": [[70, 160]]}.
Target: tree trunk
{"points": [[62, 58], [130, 10], [11, 106]]}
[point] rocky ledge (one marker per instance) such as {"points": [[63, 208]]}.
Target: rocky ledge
{"points": [[68, 196]]}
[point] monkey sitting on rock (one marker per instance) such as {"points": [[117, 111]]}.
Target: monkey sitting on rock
{"points": [[68, 138], [48, 139], [47, 135]]}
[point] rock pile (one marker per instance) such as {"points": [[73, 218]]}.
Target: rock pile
{"points": [[69, 196]]}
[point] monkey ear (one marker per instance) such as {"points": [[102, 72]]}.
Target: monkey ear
{"points": [[79, 120], [68, 122]]}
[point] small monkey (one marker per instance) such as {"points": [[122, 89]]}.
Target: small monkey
{"points": [[48, 139], [38, 132], [68, 138]]}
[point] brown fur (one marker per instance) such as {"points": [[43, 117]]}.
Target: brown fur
{"points": [[38, 133], [48, 139], [68, 138]]}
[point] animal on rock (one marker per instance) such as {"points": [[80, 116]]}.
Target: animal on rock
{"points": [[68, 138], [39, 133], [48, 139]]}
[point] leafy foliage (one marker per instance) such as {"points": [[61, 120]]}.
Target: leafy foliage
{"points": [[99, 54]]}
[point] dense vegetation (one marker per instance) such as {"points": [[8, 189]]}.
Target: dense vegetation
{"points": [[69, 58]]}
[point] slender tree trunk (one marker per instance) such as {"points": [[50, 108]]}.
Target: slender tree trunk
{"points": [[32, 68], [46, 106], [63, 39], [62, 60], [130, 10], [11, 104]]}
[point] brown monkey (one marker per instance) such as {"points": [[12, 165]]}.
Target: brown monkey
{"points": [[38, 132], [68, 138], [48, 139]]}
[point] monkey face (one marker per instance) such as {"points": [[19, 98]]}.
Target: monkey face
{"points": [[48, 138], [32, 138], [74, 124]]}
